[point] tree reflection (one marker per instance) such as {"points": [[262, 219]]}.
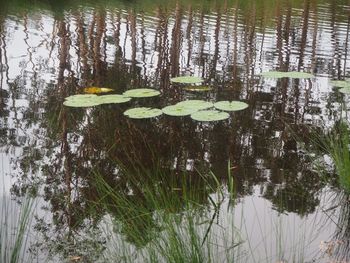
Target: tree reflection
{"points": [[69, 147]]}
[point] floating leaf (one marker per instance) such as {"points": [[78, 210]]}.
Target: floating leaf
{"points": [[198, 88], [85, 100], [340, 83], [289, 74], [231, 105], [195, 104], [210, 115], [141, 93], [299, 75], [142, 113], [113, 98], [81, 97], [81, 100], [81, 103], [345, 90], [178, 110], [96, 90], [187, 80]]}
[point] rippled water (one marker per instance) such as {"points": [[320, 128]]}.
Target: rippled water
{"points": [[286, 207]]}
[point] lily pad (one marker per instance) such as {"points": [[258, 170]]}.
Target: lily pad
{"points": [[195, 104], [97, 90], [81, 103], [340, 83], [198, 88], [143, 113], [289, 74], [141, 93], [178, 110], [345, 90], [210, 115], [113, 98], [187, 80], [231, 105], [81, 97]]}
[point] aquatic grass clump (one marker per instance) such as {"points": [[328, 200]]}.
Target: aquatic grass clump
{"points": [[340, 83], [14, 221], [166, 217], [336, 144]]}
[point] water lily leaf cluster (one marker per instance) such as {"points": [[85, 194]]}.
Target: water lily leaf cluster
{"points": [[289, 74], [187, 107], [199, 110], [90, 100]]}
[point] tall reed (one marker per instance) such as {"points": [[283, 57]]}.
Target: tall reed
{"points": [[336, 145], [164, 218], [14, 221]]}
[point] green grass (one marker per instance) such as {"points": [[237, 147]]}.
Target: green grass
{"points": [[335, 144], [168, 218], [14, 221]]}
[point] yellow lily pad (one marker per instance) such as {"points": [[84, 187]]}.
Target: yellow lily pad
{"points": [[97, 90]]}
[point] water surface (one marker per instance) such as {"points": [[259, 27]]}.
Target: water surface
{"points": [[285, 208]]}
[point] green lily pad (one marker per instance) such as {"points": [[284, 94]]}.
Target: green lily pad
{"points": [[178, 110], [210, 115], [230, 105], [81, 103], [81, 97], [289, 74], [198, 88], [299, 75], [345, 90], [187, 80], [141, 93], [113, 98], [195, 104], [340, 83], [143, 113]]}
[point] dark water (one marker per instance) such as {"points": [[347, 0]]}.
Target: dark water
{"points": [[50, 51]]}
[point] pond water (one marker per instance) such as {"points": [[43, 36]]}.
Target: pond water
{"points": [[284, 209]]}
